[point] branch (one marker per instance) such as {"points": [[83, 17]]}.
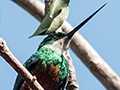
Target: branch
{"points": [[93, 61], [22, 71], [34, 7], [81, 47], [72, 83]]}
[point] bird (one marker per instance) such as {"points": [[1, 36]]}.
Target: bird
{"points": [[48, 64]]}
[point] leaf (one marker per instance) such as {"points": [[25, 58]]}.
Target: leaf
{"points": [[59, 11]]}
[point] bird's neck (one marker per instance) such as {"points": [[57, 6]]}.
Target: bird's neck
{"points": [[57, 46]]}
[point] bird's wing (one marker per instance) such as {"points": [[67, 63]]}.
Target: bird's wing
{"points": [[29, 65], [64, 83]]}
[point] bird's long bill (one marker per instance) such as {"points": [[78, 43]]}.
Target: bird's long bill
{"points": [[70, 34]]}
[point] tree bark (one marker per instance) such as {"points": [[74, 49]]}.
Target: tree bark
{"points": [[22, 71], [80, 46]]}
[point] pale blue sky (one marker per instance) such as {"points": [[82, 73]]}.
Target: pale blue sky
{"points": [[102, 32]]}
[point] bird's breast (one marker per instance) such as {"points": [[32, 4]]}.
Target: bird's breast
{"points": [[50, 70], [49, 78]]}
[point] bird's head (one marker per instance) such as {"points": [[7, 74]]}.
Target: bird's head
{"points": [[60, 41]]}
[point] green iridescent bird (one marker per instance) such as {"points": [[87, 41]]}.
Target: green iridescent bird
{"points": [[48, 64], [57, 14]]}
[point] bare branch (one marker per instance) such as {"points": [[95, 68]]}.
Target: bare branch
{"points": [[84, 51], [23, 72], [72, 83], [34, 7], [93, 61]]}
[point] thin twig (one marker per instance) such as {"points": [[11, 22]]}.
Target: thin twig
{"points": [[22, 71]]}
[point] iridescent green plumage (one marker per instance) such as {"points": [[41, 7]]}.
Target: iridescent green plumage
{"points": [[48, 64], [49, 57], [46, 56]]}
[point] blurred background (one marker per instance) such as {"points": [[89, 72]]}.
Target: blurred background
{"points": [[102, 32]]}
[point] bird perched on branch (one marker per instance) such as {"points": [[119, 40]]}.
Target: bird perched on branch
{"points": [[48, 64]]}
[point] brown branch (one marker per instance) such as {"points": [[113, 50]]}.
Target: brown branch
{"points": [[83, 50], [22, 71]]}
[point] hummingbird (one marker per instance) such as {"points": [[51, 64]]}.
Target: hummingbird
{"points": [[48, 63]]}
